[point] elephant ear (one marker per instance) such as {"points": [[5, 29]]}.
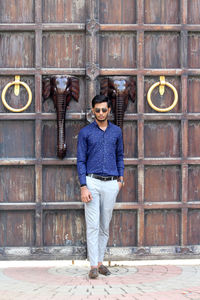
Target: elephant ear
{"points": [[74, 88], [46, 87], [106, 89], [132, 89]]}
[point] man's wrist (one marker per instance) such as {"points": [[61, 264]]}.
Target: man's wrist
{"points": [[121, 180], [82, 185]]}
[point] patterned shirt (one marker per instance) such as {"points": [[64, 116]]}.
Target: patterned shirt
{"points": [[100, 152]]}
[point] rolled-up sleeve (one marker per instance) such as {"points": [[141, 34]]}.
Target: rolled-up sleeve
{"points": [[120, 155], [82, 157]]}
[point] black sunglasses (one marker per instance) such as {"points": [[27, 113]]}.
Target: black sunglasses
{"points": [[104, 110]]}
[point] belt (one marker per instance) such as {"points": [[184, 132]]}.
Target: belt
{"points": [[104, 178]]}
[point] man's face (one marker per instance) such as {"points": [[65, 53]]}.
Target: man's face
{"points": [[101, 111]]}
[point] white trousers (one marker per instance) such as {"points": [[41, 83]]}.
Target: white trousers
{"points": [[98, 213]]}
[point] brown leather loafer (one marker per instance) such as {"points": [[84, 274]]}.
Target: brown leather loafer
{"points": [[104, 270], [93, 273]]}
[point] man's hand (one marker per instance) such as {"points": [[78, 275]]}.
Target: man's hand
{"points": [[120, 182], [120, 185], [86, 195]]}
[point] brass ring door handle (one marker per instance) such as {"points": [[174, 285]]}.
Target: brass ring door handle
{"points": [[163, 83], [16, 82]]}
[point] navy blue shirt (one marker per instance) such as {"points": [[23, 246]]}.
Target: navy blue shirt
{"points": [[100, 152]]}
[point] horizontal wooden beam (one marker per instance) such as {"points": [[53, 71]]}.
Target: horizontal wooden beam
{"points": [[68, 116], [149, 27], [63, 26], [62, 205], [160, 161], [17, 162], [148, 72], [40, 116], [17, 206], [17, 116], [43, 71], [103, 27], [82, 116], [18, 27], [103, 71], [63, 71], [43, 26], [118, 206], [66, 161]]}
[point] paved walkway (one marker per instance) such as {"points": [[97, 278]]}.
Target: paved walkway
{"points": [[60, 280]]}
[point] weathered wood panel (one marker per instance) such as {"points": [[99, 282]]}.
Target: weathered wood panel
{"points": [[117, 50], [162, 228], [193, 12], [162, 12], [162, 184], [129, 192], [71, 11], [193, 136], [17, 139], [162, 139], [63, 50], [21, 11], [117, 11], [64, 228], [193, 227], [194, 183], [17, 184], [193, 50], [60, 184], [49, 138], [130, 144], [17, 229], [20, 100], [166, 99], [123, 229], [17, 50], [162, 50], [193, 94]]}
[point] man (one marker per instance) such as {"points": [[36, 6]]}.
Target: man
{"points": [[100, 169]]}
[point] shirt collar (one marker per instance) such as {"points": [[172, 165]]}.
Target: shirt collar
{"points": [[95, 123]]}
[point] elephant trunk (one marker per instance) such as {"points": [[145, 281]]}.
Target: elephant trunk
{"points": [[119, 111], [61, 110]]}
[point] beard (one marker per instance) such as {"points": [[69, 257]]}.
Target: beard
{"points": [[101, 119]]}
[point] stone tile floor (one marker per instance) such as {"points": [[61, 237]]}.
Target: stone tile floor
{"points": [[62, 280]]}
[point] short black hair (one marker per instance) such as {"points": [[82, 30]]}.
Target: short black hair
{"points": [[100, 99]]}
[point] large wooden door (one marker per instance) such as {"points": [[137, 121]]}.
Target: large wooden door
{"points": [[158, 212]]}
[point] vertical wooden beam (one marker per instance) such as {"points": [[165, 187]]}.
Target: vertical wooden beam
{"points": [[184, 90], [184, 11], [92, 49], [184, 225], [140, 12], [140, 124], [38, 122], [140, 230], [184, 49], [184, 122], [38, 211], [184, 181], [140, 49]]}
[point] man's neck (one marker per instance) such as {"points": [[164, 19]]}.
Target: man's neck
{"points": [[103, 125]]}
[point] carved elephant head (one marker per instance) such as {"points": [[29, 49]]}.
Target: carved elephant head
{"points": [[62, 89], [119, 90]]}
